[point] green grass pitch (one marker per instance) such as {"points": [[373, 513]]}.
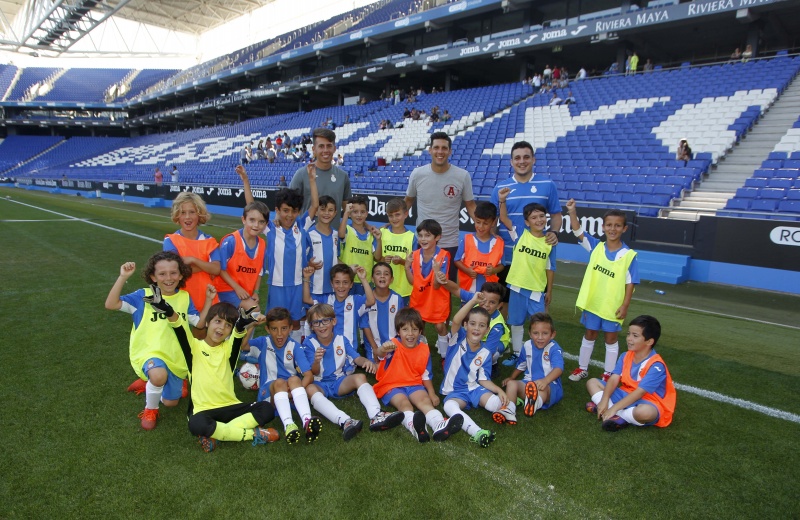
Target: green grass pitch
{"points": [[73, 448]]}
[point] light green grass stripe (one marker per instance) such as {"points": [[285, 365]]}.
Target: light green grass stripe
{"points": [[716, 396]]}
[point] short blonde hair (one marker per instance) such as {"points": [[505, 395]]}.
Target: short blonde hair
{"points": [[185, 196]]}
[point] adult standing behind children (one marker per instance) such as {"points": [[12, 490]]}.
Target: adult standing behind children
{"points": [[525, 189], [439, 188], [331, 180]]}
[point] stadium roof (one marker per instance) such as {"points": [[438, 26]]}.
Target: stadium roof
{"points": [[54, 26]]}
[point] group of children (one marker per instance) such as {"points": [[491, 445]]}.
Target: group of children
{"points": [[379, 286]]}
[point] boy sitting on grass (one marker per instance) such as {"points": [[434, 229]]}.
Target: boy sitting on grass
{"points": [[215, 414], [404, 380], [332, 358], [542, 362], [640, 390]]}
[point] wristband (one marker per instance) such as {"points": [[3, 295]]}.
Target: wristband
{"points": [[577, 233]]}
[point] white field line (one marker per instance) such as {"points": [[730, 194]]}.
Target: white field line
{"points": [[531, 500], [70, 217], [702, 311], [46, 220], [716, 396]]}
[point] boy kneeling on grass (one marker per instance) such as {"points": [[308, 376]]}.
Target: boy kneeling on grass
{"points": [[215, 414], [640, 390]]}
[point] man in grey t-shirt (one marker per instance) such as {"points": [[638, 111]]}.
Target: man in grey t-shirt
{"points": [[331, 180], [439, 188]]}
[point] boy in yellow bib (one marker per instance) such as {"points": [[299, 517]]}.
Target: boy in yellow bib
{"points": [[533, 267], [606, 289]]}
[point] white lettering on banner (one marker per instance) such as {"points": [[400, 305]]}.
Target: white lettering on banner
{"points": [[531, 38], [711, 7], [121, 186], [261, 194], [172, 189], [435, 57], [286, 55], [357, 35], [466, 51], [551, 35], [402, 22], [613, 25], [376, 207], [400, 64], [489, 46], [198, 189], [140, 187], [318, 46], [458, 7], [785, 236], [223, 191], [578, 30], [209, 191], [654, 17], [508, 43]]}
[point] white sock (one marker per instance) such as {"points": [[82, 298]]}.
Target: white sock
{"points": [[300, 399], [517, 333], [368, 399], [441, 345], [328, 409], [297, 335], [538, 404], [596, 397], [281, 402], [152, 395], [408, 421], [434, 419], [493, 404], [512, 407], [627, 416], [451, 408], [612, 351], [586, 353]]}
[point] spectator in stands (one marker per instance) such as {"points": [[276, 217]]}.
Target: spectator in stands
{"points": [[648, 66], [581, 74], [613, 68], [260, 153], [564, 79], [547, 75], [406, 113], [415, 114], [382, 126], [628, 64], [446, 116], [536, 82], [747, 54], [278, 141], [282, 182], [243, 156], [439, 189], [570, 99], [555, 100], [331, 180], [634, 62], [736, 56], [556, 75], [158, 177], [175, 174], [684, 152], [271, 154]]}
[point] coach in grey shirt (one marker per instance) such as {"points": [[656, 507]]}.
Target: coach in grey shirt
{"points": [[439, 188], [331, 180]]}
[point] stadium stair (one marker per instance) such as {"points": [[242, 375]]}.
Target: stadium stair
{"points": [[663, 267], [713, 193]]}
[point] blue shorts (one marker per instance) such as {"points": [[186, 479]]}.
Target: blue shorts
{"points": [[619, 395], [405, 390], [592, 321], [264, 393], [290, 297], [471, 397], [520, 306], [174, 385], [330, 389], [556, 394], [229, 297]]}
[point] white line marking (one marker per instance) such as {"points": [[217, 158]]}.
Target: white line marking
{"points": [[47, 220], [716, 396], [88, 222], [703, 311]]}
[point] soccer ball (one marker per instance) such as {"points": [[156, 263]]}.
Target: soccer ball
{"points": [[248, 375], [272, 435]]}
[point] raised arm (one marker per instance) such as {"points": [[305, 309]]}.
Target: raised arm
{"points": [[311, 168], [461, 315], [113, 302], [362, 275], [502, 196], [574, 221], [343, 224], [248, 192], [308, 272]]}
